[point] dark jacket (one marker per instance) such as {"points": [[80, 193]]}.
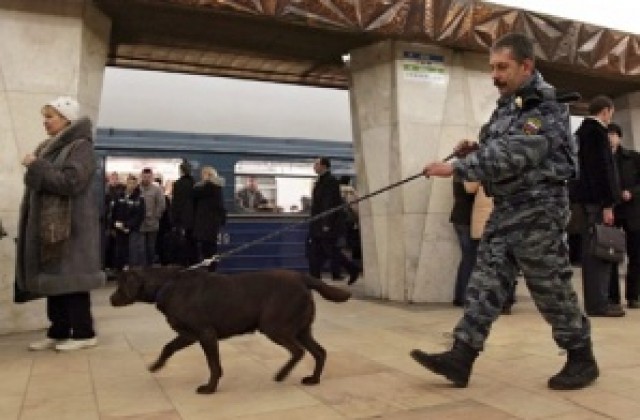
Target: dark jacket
{"points": [[248, 199], [462, 205], [628, 165], [326, 195], [597, 183], [182, 203], [112, 193], [129, 210], [209, 211], [76, 266], [164, 225]]}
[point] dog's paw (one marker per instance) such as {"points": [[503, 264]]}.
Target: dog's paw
{"points": [[206, 389], [310, 380]]}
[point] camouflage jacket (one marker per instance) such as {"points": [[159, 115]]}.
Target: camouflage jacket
{"points": [[527, 148]]}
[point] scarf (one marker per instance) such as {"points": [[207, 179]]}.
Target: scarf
{"points": [[55, 210]]}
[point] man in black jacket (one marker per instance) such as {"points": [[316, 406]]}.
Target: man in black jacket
{"points": [[127, 213], [114, 189], [596, 190], [182, 216], [627, 216], [324, 232]]}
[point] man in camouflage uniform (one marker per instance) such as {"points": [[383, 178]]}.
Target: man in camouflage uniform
{"points": [[523, 161]]}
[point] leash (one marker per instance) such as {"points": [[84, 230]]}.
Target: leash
{"points": [[218, 257]]}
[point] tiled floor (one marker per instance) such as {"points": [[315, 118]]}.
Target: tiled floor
{"points": [[368, 373]]}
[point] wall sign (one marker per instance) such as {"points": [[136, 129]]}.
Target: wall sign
{"points": [[423, 67]]}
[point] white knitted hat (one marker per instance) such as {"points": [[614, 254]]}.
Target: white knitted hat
{"points": [[67, 107]]}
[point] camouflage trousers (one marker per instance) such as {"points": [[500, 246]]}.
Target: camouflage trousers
{"points": [[530, 237]]}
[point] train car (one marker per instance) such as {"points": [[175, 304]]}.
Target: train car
{"points": [[281, 167]]}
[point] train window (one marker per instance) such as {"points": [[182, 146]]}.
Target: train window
{"points": [[273, 187], [164, 169]]}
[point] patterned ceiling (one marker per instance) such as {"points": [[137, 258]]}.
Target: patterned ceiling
{"points": [[302, 41], [460, 23]]}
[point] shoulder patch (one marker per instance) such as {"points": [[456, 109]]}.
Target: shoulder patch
{"points": [[532, 126]]}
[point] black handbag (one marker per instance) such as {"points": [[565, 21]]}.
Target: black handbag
{"points": [[608, 243]]}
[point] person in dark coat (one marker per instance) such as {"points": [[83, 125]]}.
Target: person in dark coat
{"points": [[127, 214], [352, 222], [627, 216], [349, 238], [114, 189], [576, 224], [324, 232], [182, 216], [597, 191], [209, 213], [58, 247], [460, 217], [164, 241]]}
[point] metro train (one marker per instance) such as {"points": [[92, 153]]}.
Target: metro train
{"points": [[282, 167]]}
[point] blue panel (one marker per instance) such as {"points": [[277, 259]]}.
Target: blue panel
{"points": [[180, 143], [286, 250]]}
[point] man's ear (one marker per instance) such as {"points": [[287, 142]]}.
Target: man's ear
{"points": [[528, 65]]}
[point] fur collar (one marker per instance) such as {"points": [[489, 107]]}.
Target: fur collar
{"points": [[79, 129]]}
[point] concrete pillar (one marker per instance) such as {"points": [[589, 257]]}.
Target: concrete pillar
{"points": [[628, 116], [411, 103], [47, 48]]}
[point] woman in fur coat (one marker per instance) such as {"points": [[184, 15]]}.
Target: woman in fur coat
{"points": [[58, 249]]}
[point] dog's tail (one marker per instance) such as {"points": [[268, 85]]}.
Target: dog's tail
{"points": [[332, 293]]}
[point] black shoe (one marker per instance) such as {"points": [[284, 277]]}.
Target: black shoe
{"points": [[454, 364], [457, 302], [506, 310], [580, 370], [633, 304]]}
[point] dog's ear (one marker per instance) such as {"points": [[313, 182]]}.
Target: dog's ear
{"points": [[128, 289], [131, 284]]}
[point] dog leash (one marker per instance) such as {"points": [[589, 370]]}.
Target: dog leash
{"points": [[218, 257]]}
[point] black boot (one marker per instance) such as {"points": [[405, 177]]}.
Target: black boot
{"points": [[579, 371], [454, 364]]}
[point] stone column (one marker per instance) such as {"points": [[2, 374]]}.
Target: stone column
{"points": [[628, 116], [47, 48], [411, 103]]}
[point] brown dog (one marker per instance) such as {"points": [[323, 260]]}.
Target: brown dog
{"points": [[207, 307]]}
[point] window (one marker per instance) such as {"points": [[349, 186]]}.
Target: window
{"points": [[273, 187]]}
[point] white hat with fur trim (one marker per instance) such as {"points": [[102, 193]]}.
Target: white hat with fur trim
{"points": [[66, 106]]}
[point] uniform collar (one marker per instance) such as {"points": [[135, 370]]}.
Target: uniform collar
{"points": [[535, 80]]}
